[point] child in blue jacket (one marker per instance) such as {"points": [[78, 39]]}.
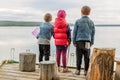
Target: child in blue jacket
{"points": [[83, 38], [44, 36]]}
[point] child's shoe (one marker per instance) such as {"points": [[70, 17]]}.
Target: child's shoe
{"points": [[65, 70], [59, 69], [85, 73], [77, 72]]}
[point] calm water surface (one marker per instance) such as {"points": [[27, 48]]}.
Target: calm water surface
{"points": [[14, 40]]}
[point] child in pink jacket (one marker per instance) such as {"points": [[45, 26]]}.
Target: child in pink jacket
{"points": [[62, 36]]}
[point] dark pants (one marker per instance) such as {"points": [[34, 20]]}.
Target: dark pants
{"points": [[80, 52], [44, 50]]}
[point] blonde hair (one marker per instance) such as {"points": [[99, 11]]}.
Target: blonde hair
{"points": [[48, 17], [85, 10]]}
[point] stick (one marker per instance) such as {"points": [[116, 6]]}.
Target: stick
{"points": [[68, 54]]}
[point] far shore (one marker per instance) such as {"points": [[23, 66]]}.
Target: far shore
{"points": [[36, 23]]}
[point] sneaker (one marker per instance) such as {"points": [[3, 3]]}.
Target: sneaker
{"points": [[77, 72], [65, 70], [59, 69], [85, 73]]}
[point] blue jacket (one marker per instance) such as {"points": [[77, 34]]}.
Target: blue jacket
{"points": [[84, 30], [46, 30]]}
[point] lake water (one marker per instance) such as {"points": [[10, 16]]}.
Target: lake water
{"points": [[15, 40]]}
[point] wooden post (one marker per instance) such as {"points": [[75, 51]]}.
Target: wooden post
{"points": [[48, 70], [101, 64], [27, 62], [117, 71]]}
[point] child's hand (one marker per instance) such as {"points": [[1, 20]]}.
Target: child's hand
{"points": [[74, 45], [69, 41], [37, 37]]}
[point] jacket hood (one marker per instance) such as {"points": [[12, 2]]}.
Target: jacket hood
{"points": [[61, 14], [60, 23]]}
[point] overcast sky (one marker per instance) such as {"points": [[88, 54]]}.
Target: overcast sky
{"points": [[103, 11]]}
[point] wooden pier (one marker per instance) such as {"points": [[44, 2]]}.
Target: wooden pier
{"points": [[12, 72]]}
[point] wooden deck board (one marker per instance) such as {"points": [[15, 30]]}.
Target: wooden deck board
{"points": [[12, 72]]}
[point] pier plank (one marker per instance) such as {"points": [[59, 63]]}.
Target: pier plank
{"points": [[12, 72]]}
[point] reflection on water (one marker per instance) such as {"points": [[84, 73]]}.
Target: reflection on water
{"points": [[14, 40]]}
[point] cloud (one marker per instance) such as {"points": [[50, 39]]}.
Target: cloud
{"points": [[34, 10], [19, 14], [17, 10], [53, 4], [15, 3]]}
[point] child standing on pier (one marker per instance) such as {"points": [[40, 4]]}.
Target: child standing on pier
{"points": [[44, 36], [83, 38], [62, 36]]}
